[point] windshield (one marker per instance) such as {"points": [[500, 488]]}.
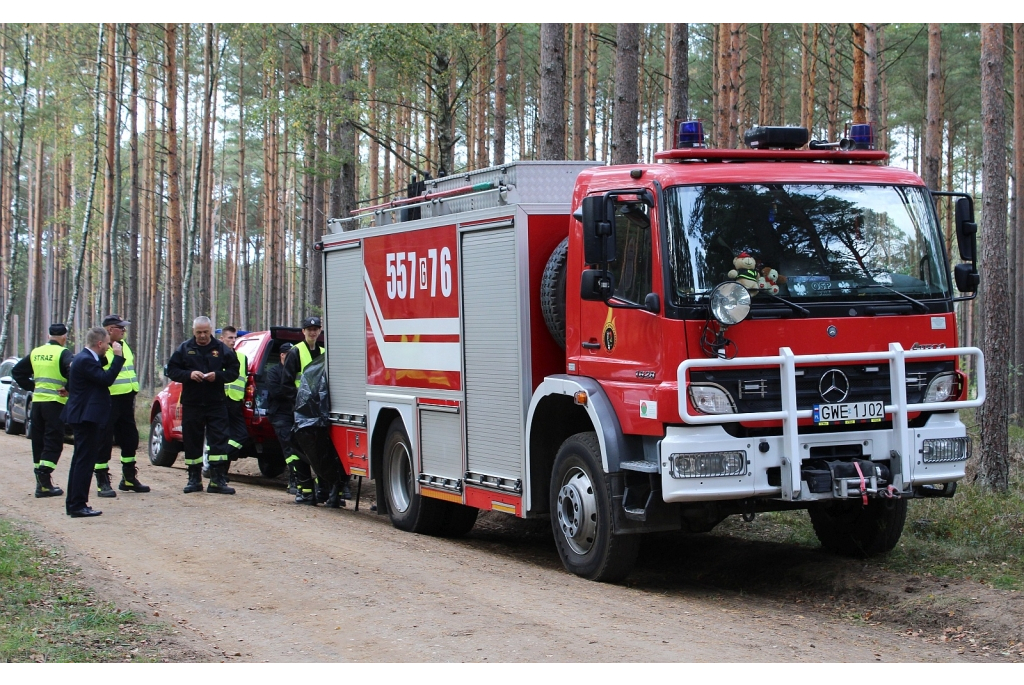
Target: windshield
{"points": [[812, 242]]}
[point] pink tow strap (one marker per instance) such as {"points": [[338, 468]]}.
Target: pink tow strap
{"points": [[863, 485]]}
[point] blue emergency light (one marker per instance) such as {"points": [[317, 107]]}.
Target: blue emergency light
{"points": [[863, 136], [689, 134]]}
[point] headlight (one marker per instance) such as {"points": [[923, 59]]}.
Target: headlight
{"points": [[730, 303], [935, 450], [708, 464], [711, 399], [943, 387]]}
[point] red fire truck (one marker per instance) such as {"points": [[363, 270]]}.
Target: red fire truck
{"points": [[655, 347]]}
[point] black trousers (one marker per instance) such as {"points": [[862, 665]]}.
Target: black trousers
{"points": [[238, 434], [315, 444], [120, 426], [209, 421], [87, 444], [47, 435], [293, 456]]}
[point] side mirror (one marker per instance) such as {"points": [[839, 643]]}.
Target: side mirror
{"points": [[7, 380], [967, 278], [966, 230], [597, 285], [652, 303], [598, 229]]}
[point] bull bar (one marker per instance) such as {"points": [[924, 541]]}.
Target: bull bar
{"points": [[789, 415]]}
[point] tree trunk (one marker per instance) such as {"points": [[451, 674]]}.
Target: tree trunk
{"points": [[724, 62], [832, 113], [500, 92], [15, 239], [872, 100], [625, 106], [764, 104], [552, 91], [679, 74], [993, 465], [1018, 198], [110, 170], [860, 111], [592, 91], [133, 200], [174, 246]]}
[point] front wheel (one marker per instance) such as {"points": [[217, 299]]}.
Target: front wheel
{"points": [[162, 451], [271, 465], [855, 530], [581, 514], [409, 510]]}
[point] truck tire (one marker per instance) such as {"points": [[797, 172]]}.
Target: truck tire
{"points": [[552, 292], [271, 465], [854, 530], [408, 510], [581, 514], [458, 520], [162, 452]]}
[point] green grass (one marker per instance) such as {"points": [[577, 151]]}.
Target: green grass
{"points": [[46, 615]]}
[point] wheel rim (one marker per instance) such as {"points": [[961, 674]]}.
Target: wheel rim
{"points": [[400, 477], [156, 438], [577, 511]]}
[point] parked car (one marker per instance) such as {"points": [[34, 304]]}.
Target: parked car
{"points": [[262, 349], [18, 416], [6, 381]]}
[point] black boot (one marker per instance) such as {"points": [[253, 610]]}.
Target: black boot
{"points": [[322, 492], [103, 488], [305, 492], [334, 499], [346, 491], [130, 479], [218, 481], [44, 486], [292, 481], [195, 479]]}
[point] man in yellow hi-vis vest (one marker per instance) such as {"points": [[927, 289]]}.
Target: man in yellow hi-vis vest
{"points": [[297, 359], [234, 393], [121, 424], [44, 371]]}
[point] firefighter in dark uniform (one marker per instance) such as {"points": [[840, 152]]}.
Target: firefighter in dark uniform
{"points": [[203, 365], [280, 412], [298, 359], [121, 424], [45, 372], [234, 393]]}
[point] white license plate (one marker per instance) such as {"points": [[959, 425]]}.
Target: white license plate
{"points": [[850, 412]]}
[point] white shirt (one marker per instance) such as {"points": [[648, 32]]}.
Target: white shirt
{"points": [[94, 354]]}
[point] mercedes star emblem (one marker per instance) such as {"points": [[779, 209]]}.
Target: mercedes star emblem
{"points": [[834, 386]]}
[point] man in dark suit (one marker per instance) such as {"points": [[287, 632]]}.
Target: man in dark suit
{"points": [[87, 411]]}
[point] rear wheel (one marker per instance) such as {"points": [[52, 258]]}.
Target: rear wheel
{"points": [[409, 510], [162, 452], [581, 514], [271, 465], [854, 530], [11, 427]]}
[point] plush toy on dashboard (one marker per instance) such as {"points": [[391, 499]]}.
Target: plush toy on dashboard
{"points": [[770, 280], [745, 271]]}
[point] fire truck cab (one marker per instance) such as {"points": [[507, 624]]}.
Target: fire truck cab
{"points": [[655, 347]]}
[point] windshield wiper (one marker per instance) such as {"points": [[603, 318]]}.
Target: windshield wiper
{"points": [[919, 306], [792, 305]]}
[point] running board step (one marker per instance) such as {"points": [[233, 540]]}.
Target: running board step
{"points": [[639, 466]]}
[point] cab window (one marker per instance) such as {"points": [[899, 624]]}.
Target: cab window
{"points": [[632, 268]]}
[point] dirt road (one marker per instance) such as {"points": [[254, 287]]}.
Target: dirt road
{"points": [[254, 577]]}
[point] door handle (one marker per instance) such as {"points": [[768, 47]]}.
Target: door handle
{"points": [[591, 346]]}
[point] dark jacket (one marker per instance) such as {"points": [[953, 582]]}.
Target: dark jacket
{"points": [[89, 389], [24, 375], [280, 395], [189, 357]]}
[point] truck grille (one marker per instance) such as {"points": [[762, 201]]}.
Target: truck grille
{"points": [[760, 390]]}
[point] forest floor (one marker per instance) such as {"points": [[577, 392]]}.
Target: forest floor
{"points": [[253, 577]]}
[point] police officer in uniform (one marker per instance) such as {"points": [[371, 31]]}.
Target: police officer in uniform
{"points": [[203, 365], [121, 424], [45, 372], [235, 393], [298, 359]]}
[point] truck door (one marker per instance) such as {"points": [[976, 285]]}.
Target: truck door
{"points": [[622, 344]]}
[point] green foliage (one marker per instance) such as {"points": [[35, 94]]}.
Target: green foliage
{"points": [[45, 615]]}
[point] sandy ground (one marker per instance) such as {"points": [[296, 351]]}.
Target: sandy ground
{"points": [[254, 577]]}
